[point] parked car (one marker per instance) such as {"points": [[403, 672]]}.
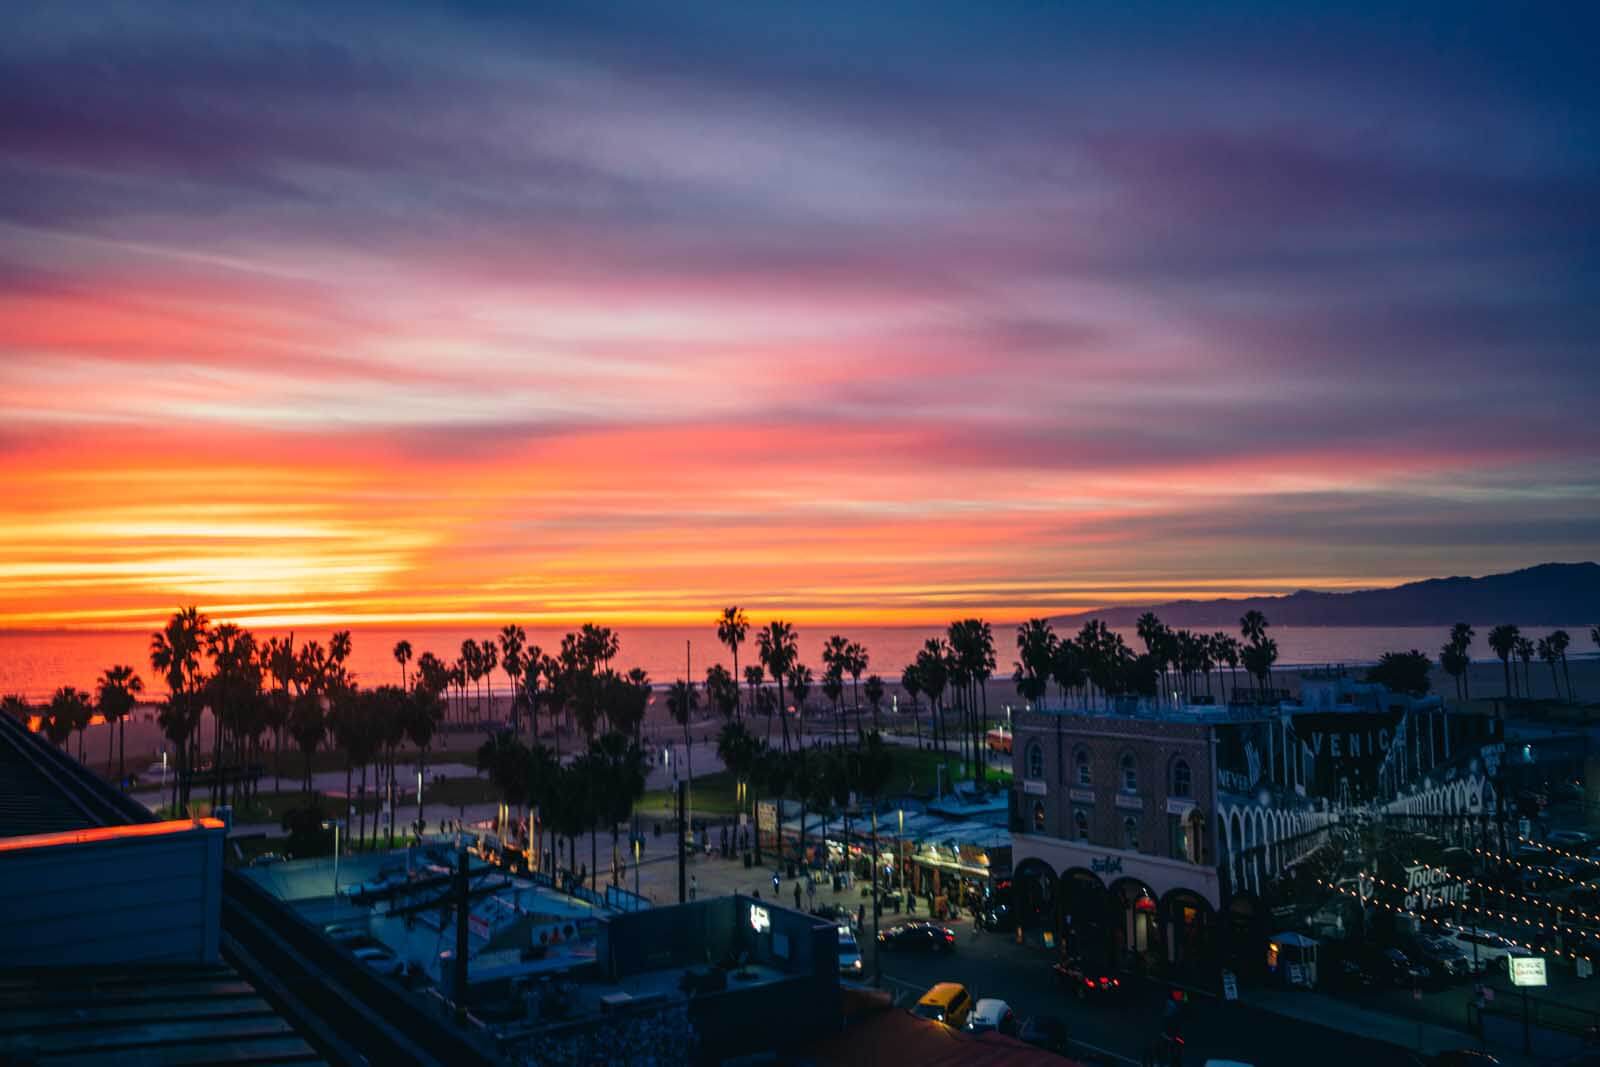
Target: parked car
{"points": [[918, 937], [378, 883], [1393, 967], [992, 1014], [996, 917], [1442, 955], [1083, 979], [1569, 840], [1483, 948], [1046, 1032], [849, 953], [838, 913], [947, 1002]]}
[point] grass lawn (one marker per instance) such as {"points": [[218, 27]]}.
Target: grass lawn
{"points": [[712, 795]]}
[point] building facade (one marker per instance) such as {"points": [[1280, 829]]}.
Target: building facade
{"points": [[1166, 839]]}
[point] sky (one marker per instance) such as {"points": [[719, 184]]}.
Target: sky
{"points": [[877, 313]]}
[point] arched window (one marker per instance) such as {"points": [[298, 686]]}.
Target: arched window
{"points": [[1182, 786], [1081, 759], [1080, 824], [1130, 773], [1038, 816], [1130, 834], [1033, 760]]}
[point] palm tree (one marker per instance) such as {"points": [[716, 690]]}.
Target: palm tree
{"points": [[117, 692], [1548, 653], [911, 682], [833, 689], [722, 692], [175, 654], [800, 688], [855, 665], [1454, 661], [933, 671], [1036, 651], [512, 641], [681, 703], [741, 754], [423, 713], [1560, 641], [1461, 636], [1253, 626], [732, 626], [307, 725], [1503, 639], [402, 656], [623, 767], [1525, 651], [755, 677], [70, 711], [778, 647], [506, 761], [875, 692], [489, 659], [835, 662]]}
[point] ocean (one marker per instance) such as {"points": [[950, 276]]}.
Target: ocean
{"points": [[34, 664]]}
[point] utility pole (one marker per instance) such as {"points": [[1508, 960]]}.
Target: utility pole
{"points": [[683, 885], [461, 936]]}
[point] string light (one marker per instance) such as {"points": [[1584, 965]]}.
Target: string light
{"points": [[1538, 902], [1447, 924], [1558, 851], [1531, 866], [1476, 909]]}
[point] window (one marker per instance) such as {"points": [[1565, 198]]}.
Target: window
{"points": [[1080, 824], [1130, 834], [1033, 760], [1130, 774], [1038, 815], [1085, 775], [1181, 784]]}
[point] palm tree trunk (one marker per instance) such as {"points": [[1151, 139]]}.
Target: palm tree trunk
{"points": [[122, 751]]}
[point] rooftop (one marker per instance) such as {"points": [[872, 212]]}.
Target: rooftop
{"points": [[137, 1015]]}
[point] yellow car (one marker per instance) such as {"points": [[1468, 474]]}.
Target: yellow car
{"points": [[947, 1002]]}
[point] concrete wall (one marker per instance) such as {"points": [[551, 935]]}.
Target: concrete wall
{"points": [[114, 900]]}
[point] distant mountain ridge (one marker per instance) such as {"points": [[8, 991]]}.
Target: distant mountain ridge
{"points": [[1548, 594]]}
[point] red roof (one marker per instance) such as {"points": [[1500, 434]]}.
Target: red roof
{"points": [[895, 1038]]}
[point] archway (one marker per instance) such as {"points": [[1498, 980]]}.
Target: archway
{"points": [[1191, 929], [1139, 935], [1087, 919], [1245, 936], [1034, 892]]}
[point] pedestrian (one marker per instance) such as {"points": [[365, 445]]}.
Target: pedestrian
{"points": [[797, 895], [774, 883], [694, 887], [861, 916]]}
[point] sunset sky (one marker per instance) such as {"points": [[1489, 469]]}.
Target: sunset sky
{"points": [[876, 313]]}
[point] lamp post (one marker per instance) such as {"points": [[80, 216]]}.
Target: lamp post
{"points": [[334, 825]]}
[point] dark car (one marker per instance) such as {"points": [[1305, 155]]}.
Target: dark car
{"points": [[837, 913], [1441, 956], [1083, 978], [918, 937], [1393, 967], [1046, 1032], [995, 917]]}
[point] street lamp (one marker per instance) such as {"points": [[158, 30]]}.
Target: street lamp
{"points": [[334, 825]]}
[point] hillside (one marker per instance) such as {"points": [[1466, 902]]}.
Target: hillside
{"points": [[1548, 594]]}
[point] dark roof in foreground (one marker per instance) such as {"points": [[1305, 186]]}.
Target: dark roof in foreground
{"points": [[889, 1037], [135, 1016], [34, 799]]}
